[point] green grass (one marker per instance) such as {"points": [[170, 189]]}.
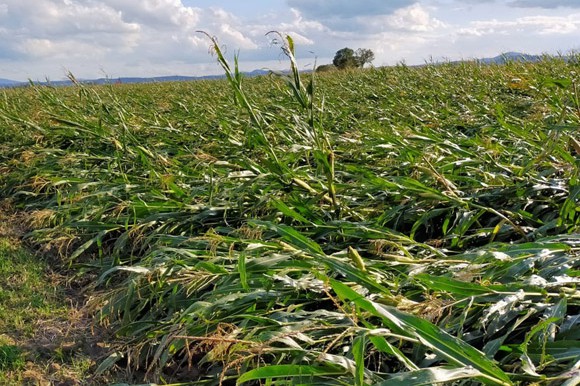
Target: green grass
{"points": [[393, 225], [11, 358], [38, 325], [24, 289]]}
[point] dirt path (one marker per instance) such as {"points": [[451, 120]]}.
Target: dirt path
{"points": [[46, 334]]}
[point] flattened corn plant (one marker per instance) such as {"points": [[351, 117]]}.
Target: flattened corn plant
{"points": [[402, 225]]}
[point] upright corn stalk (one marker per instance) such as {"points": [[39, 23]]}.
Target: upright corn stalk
{"points": [[304, 95], [256, 135], [312, 132]]}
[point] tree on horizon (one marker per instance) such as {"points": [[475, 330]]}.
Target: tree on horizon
{"points": [[348, 58]]}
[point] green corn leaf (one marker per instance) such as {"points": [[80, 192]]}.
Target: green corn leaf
{"points": [[563, 350], [287, 211], [292, 236], [383, 345], [431, 376], [358, 352], [453, 349], [243, 272], [109, 362], [456, 287], [289, 371]]}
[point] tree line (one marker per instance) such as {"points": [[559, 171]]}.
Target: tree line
{"points": [[349, 58]]}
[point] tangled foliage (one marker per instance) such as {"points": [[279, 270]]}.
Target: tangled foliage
{"points": [[390, 226]]}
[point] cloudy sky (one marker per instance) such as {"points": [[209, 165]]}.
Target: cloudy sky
{"points": [[42, 39]]}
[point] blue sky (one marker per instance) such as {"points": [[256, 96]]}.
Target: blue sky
{"points": [[42, 39]]}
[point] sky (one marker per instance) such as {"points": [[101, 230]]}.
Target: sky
{"points": [[46, 39]]}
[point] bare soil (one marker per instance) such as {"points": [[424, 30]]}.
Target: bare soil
{"points": [[64, 348]]}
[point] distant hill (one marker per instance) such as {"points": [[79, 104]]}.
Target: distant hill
{"points": [[129, 80], [500, 59], [8, 82], [510, 57], [158, 79]]}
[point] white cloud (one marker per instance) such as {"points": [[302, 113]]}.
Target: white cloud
{"points": [[54, 20], [299, 23], [303, 31], [327, 9], [540, 25], [237, 38], [63, 50], [546, 3], [413, 18], [114, 33], [159, 14], [158, 37]]}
